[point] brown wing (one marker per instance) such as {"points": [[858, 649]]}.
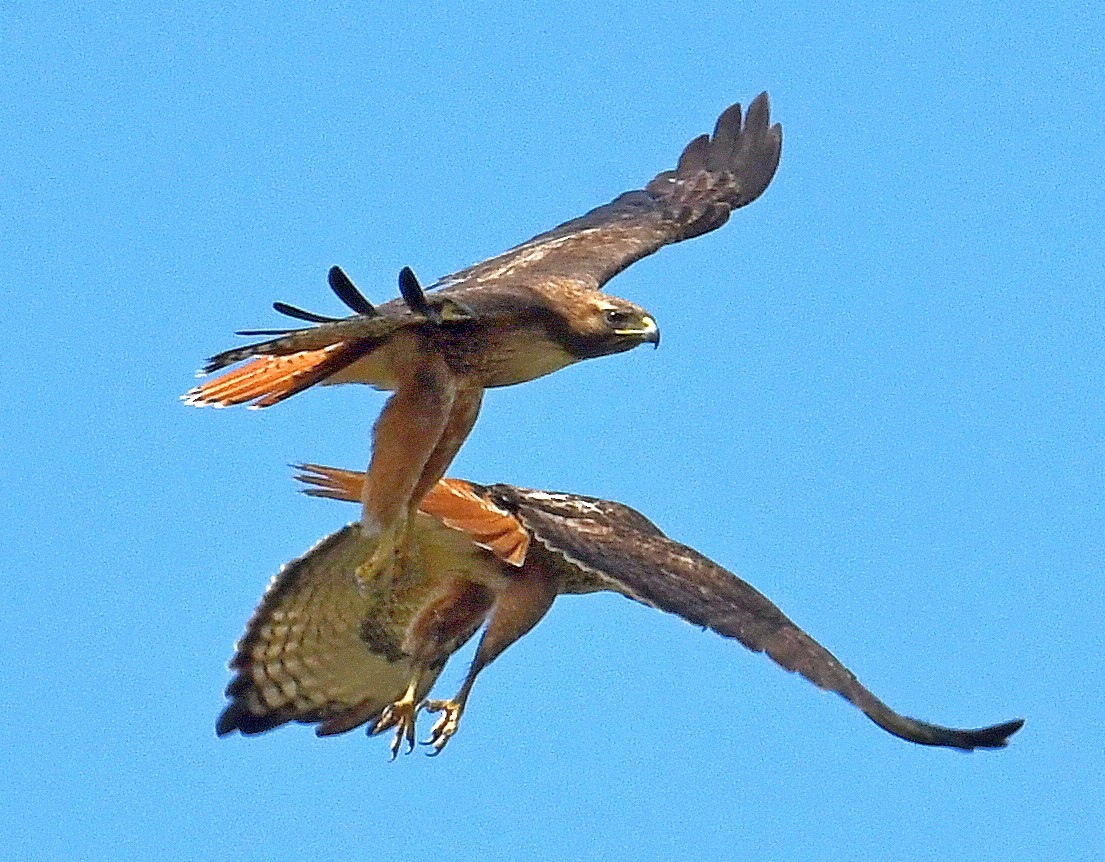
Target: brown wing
{"points": [[327, 646], [609, 541], [715, 176]]}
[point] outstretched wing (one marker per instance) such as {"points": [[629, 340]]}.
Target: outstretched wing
{"points": [[304, 656], [326, 645], [608, 541], [715, 176]]}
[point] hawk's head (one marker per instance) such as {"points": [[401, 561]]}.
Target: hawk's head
{"points": [[590, 324]]}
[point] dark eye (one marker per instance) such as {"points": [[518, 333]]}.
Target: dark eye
{"points": [[616, 319]]}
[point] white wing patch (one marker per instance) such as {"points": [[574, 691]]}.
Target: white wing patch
{"points": [[567, 500], [526, 254], [585, 526]]}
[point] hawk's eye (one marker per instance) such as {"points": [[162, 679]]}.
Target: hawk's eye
{"points": [[616, 319]]}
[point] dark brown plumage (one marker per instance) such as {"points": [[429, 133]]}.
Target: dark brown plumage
{"points": [[328, 645], [548, 281], [512, 318]]}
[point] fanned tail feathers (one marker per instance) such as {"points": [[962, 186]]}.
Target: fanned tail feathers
{"points": [[268, 380], [452, 501], [331, 482], [457, 505]]}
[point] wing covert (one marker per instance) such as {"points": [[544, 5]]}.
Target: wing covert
{"points": [[661, 573], [714, 176]]}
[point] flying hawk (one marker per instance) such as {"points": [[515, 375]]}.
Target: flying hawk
{"points": [[335, 644], [523, 314]]}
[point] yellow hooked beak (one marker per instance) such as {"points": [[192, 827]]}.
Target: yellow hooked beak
{"points": [[648, 331]]}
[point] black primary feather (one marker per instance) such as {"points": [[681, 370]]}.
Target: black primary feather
{"points": [[348, 293], [301, 314], [412, 293]]}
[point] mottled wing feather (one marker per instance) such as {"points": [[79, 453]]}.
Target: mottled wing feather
{"points": [[575, 507], [664, 574], [367, 331], [321, 647], [714, 176]]}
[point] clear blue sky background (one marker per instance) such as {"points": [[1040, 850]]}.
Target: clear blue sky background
{"points": [[879, 399]]}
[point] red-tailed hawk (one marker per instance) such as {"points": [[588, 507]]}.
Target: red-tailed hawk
{"points": [[335, 644], [515, 317]]}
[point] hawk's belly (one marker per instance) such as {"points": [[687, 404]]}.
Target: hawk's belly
{"points": [[522, 356], [487, 356]]}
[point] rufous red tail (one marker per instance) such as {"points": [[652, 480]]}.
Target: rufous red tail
{"points": [[460, 507], [453, 501], [264, 381]]}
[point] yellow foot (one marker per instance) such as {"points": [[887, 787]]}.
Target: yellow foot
{"points": [[401, 715], [446, 725]]}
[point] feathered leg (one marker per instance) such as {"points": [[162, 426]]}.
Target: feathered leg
{"points": [[440, 628], [405, 437], [465, 410], [518, 608]]}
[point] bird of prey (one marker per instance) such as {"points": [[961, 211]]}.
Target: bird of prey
{"points": [[512, 318], [336, 645]]}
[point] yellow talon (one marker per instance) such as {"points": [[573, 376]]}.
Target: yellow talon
{"points": [[401, 715], [446, 726], [391, 549]]}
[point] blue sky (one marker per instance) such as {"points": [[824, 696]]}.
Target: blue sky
{"points": [[879, 399]]}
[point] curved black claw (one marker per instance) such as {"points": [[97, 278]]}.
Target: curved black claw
{"points": [[289, 311], [437, 309], [401, 715], [301, 314], [346, 291], [446, 726], [251, 333]]}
